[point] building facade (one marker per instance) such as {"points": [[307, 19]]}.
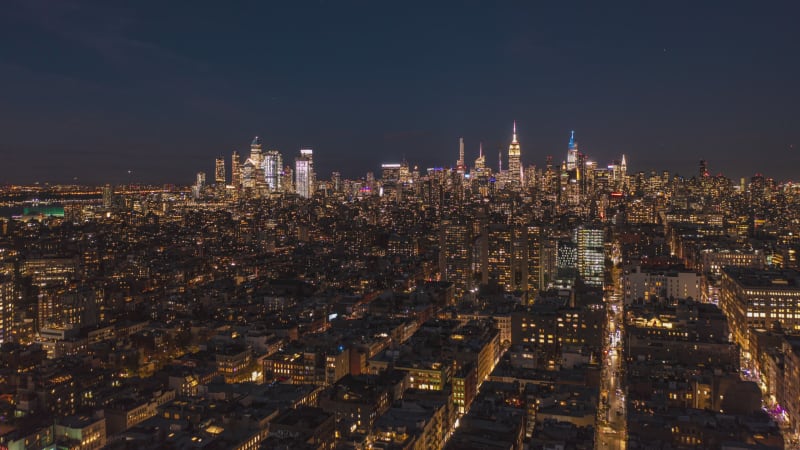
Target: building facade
{"points": [[759, 299]]}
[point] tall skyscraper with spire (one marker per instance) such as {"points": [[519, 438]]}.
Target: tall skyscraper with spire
{"points": [[255, 151], [500, 162], [461, 168], [480, 161], [514, 166], [572, 152]]}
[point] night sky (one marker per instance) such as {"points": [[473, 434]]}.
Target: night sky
{"points": [[91, 89]]}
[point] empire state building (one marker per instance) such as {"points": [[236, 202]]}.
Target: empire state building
{"points": [[514, 167], [572, 153]]}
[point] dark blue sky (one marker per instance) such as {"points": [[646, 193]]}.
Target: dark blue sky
{"points": [[90, 89]]}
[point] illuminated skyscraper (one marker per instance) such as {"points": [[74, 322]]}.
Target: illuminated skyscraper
{"points": [[288, 180], [273, 167], [455, 256], [590, 242], [500, 162], [504, 256], [199, 184], [461, 168], [303, 175], [618, 172], [253, 170], [390, 172], [572, 153], [405, 174], [236, 171], [566, 262], [108, 196], [548, 263], [255, 151], [6, 307], [519, 258], [534, 243], [219, 172], [308, 154], [514, 166], [249, 175], [480, 161]]}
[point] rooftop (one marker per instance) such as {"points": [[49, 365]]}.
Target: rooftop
{"points": [[776, 279]]}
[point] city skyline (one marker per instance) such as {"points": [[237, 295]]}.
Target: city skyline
{"points": [[505, 157], [100, 89], [684, 168]]}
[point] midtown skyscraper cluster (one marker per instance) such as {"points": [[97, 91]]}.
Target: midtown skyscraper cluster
{"points": [[572, 185]]}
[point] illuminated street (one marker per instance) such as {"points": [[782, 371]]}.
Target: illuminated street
{"points": [[611, 414], [778, 413]]}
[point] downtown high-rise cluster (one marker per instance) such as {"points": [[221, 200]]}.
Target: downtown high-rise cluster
{"points": [[262, 173]]}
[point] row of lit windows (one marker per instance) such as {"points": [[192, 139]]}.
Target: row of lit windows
{"points": [[774, 309], [773, 301], [774, 315], [785, 293]]}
